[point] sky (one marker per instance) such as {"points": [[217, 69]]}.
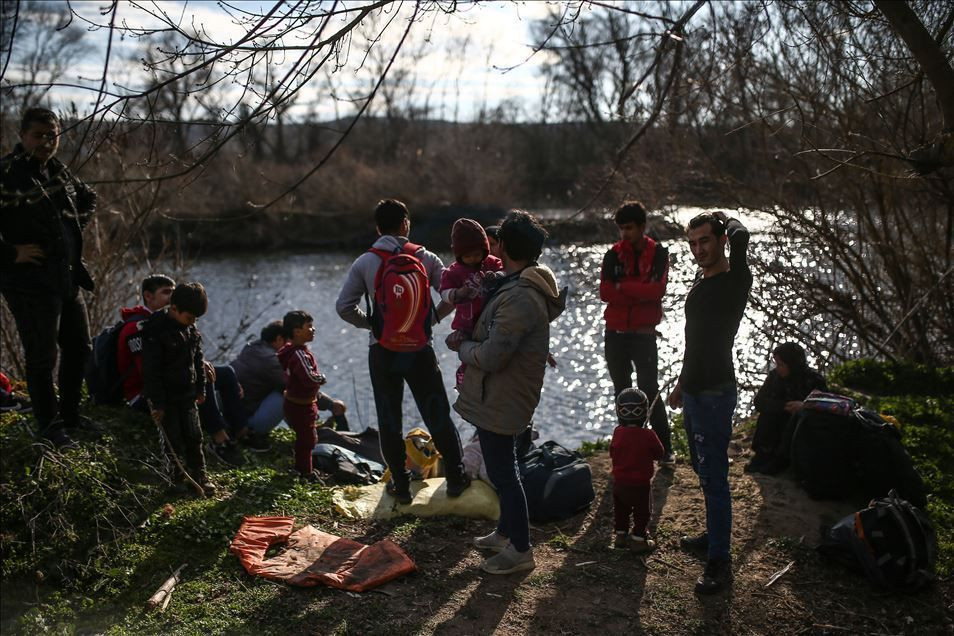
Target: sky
{"points": [[477, 57]]}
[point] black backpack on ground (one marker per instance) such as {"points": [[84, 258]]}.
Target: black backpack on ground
{"points": [[837, 456], [558, 482], [103, 377], [891, 541]]}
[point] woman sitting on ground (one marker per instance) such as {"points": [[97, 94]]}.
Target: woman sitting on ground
{"points": [[779, 399]]}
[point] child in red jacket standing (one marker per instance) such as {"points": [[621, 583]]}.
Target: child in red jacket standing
{"points": [[633, 450], [302, 381]]}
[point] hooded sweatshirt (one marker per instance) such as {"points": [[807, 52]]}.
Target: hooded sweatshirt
{"points": [[506, 357], [129, 350], [360, 280], [302, 378]]}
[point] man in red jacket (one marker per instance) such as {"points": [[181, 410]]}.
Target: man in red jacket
{"points": [[632, 283]]}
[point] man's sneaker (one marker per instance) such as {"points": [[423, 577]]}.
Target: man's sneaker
{"points": [[641, 545], [257, 443], [714, 577], [509, 560], [492, 541], [619, 540], [59, 438], [697, 545], [226, 453], [401, 493], [456, 487], [83, 423], [669, 459]]}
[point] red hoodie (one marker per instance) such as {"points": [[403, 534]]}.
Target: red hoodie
{"points": [[129, 350], [633, 451], [302, 378], [633, 290]]}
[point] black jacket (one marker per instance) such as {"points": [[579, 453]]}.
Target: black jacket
{"points": [[50, 212], [172, 368], [777, 391]]}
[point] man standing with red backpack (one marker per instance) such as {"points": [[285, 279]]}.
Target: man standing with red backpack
{"points": [[395, 277]]}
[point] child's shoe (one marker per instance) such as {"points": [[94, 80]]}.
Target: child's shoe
{"points": [[619, 540], [311, 478], [641, 545]]}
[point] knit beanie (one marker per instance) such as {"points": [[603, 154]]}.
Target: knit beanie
{"points": [[468, 236], [632, 407]]}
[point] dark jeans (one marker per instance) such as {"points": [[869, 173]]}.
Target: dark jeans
{"points": [[627, 351], [181, 431], [44, 322], [708, 421], [222, 409], [389, 371], [500, 458], [632, 501]]}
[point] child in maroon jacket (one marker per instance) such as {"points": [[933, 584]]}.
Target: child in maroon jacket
{"points": [[302, 381], [633, 450]]}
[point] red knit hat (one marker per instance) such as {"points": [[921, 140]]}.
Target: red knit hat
{"points": [[468, 236]]}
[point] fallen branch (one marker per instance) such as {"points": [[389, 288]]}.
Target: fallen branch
{"points": [[656, 559], [779, 574], [164, 593]]}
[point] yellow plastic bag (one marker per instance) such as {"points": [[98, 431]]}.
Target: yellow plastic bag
{"points": [[430, 499]]}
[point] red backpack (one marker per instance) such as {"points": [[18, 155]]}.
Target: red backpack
{"points": [[401, 317]]}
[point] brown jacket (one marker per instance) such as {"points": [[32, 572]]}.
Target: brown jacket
{"points": [[507, 355]]}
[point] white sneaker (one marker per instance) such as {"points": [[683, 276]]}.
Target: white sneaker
{"points": [[492, 541], [668, 460], [509, 560], [640, 545]]}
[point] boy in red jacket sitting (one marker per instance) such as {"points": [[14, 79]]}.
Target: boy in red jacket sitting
{"points": [[633, 450]]}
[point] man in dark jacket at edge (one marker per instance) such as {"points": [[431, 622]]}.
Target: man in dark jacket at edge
{"points": [[706, 389], [632, 284], [43, 213]]}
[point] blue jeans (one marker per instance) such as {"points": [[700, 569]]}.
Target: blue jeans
{"points": [[222, 409], [268, 415], [500, 458], [707, 418]]}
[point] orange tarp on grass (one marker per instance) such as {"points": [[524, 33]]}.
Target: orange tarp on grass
{"points": [[313, 557]]}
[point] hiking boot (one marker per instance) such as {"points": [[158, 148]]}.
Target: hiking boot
{"points": [[714, 577], [509, 560], [619, 540], [257, 443], [698, 545], [668, 460], [59, 438], [640, 545], [83, 423], [227, 453], [492, 541], [456, 487], [402, 493]]}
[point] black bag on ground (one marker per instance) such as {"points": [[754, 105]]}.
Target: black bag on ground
{"points": [[343, 470], [104, 380], [891, 541], [558, 482], [836, 456]]}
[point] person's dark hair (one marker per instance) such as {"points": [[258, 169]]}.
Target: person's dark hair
{"points": [[272, 330], [295, 320], [630, 212], [718, 227], [521, 236], [389, 214], [492, 231], [38, 115], [190, 297], [793, 355], [154, 282]]}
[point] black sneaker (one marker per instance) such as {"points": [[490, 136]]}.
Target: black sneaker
{"points": [[714, 577], [698, 545], [456, 487], [227, 453], [59, 438], [257, 443], [83, 423], [402, 493]]}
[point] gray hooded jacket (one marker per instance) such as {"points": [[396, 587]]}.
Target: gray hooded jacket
{"points": [[507, 356]]}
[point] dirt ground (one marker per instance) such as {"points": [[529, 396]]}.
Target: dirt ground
{"points": [[581, 585]]}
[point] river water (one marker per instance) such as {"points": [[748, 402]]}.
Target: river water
{"points": [[247, 291]]}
